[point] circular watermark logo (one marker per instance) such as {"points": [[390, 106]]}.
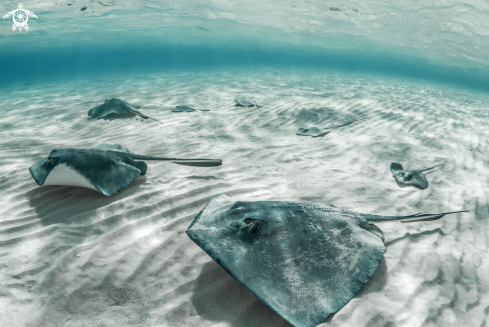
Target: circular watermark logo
{"points": [[20, 17]]}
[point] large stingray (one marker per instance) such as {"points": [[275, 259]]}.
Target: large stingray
{"points": [[106, 168], [116, 106], [317, 132], [304, 261], [186, 109], [411, 177]]}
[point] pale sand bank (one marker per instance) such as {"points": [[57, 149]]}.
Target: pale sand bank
{"points": [[74, 257]]}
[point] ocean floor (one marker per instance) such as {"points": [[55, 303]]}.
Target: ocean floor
{"points": [[73, 257]]}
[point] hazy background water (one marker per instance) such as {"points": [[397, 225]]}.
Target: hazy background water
{"points": [[435, 40]]}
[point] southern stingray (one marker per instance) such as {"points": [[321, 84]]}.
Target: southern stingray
{"points": [[106, 168], [186, 109], [411, 177], [116, 106], [304, 261], [242, 102], [317, 132]]}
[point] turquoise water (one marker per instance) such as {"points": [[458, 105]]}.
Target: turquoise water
{"points": [[438, 41]]}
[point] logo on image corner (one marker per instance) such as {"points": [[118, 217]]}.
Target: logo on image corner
{"points": [[20, 17]]}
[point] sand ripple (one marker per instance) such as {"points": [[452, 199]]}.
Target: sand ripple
{"points": [[73, 257]]}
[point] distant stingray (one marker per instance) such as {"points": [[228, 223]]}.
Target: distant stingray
{"points": [[106, 168], [304, 261], [411, 177], [116, 106], [186, 109], [241, 102], [317, 132]]}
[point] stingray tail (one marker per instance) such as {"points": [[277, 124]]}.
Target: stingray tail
{"points": [[142, 116], [186, 162], [430, 168], [411, 218]]}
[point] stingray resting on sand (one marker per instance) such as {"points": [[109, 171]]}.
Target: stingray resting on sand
{"points": [[186, 109], [318, 132], [116, 106], [411, 177], [106, 168], [241, 102], [304, 261]]}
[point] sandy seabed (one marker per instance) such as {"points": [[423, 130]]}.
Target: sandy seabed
{"points": [[73, 257]]}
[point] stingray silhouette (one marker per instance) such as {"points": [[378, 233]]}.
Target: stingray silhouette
{"points": [[411, 177], [184, 108], [106, 168], [116, 106], [318, 132], [304, 261]]}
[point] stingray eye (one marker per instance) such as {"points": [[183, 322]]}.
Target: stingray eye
{"points": [[407, 176], [248, 220]]}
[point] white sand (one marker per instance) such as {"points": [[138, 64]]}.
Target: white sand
{"points": [[73, 257]]}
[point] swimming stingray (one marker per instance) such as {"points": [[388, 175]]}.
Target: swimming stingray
{"points": [[317, 132], [116, 106], [106, 168], [411, 177], [186, 109], [304, 261], [241, 102]]}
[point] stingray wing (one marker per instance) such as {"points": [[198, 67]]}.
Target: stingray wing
{"points": [[40, 170], [127, 106], [109, 171], [111, 146], [395, 168], [304, 263], [105, 109]]}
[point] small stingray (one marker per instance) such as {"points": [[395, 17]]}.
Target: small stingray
{"points": [[186, 109], [317, 132], [241, 102], [411, 177], [304, 261], [106, 168], [116, 106]]}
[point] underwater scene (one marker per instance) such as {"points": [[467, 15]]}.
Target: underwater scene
{"points": [[240, 163]]}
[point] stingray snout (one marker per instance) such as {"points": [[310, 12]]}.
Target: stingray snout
{"points": [[95, 111], [91, 112]]}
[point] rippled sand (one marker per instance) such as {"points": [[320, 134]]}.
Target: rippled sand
{"points": [[74, 257]]}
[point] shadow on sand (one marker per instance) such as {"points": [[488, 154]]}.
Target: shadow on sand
{"points": [[218, 297], [111, 117], [61, 204]]}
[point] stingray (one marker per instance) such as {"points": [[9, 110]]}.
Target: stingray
{"points": [[116, 106], [186, 109], [411, 177], [241, 102], [106, 168], [317, 132], [304, 261]]}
